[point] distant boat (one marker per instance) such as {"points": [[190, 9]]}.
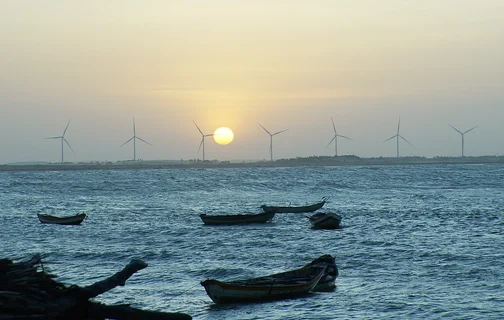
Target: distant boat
{"points": [[228, 219], [67, 220], [321, 220], [283, 285], [298, 209]]}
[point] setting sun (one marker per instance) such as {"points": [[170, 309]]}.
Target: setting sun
{"points": [[223, 135]]}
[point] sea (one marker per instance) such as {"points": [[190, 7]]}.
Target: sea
{"points": [[416, 241]]}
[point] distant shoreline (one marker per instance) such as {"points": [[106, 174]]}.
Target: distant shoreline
{"points": [[295, 162]]}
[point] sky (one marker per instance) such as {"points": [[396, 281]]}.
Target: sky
{"points": [[282, 64]]}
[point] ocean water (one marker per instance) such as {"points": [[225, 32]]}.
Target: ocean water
{"points": [[417, 242]]}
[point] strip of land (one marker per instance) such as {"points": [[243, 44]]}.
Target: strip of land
{"points": [[293, 162]]}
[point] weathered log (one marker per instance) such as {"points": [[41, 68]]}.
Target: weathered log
{"points": [[118, 279], [125, 312], [26, 293], [24, 317]]}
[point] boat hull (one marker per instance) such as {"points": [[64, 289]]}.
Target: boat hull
{"points": [[237, 218], [325, 221], [68, 220], [299, 209], [263, 289], [328, 281]]}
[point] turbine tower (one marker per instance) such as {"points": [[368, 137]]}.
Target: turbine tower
{"points": [[134, 140], [203, 136], [335, 139], [62, 137], [397, 136], [271, 139], [462, 134]]}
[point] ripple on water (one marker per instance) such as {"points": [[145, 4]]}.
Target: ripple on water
{"points": [[417, 242]]}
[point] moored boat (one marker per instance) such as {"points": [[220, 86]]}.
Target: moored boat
{"points": [[327, 282], [295, 209], [67, 220], [237, 218], [322, 220], [273, 287]]}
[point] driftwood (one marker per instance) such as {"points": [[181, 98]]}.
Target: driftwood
{"points": [[29, 293]]}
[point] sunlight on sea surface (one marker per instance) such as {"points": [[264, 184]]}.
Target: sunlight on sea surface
{"points": [[417, 242]]}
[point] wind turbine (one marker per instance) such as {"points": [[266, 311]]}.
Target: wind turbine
{"points": [[271, 139], [62, 137], [203, 136], [462, 134], [398, 135], [335, 139], [134, 140]]}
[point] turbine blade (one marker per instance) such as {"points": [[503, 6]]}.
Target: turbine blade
{"points": [[390, 138], [274, 134], [469, 130], [201, 143], [209, 135], [143, 140], [127, 141], [134, 129], [264, 128], [398, 125], [455, 129], [68, 144], [405, 140], [334, 127], [66, 128], [339, 135], [54, 137], [330, 141], [198, 127]]}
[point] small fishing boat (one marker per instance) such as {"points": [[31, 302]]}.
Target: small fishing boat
{"points": [[67, 220], [273, 287], [237, 218], [322, 220], [296, 209]]}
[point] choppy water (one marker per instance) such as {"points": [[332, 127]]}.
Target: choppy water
{"points": [[418, 242]]}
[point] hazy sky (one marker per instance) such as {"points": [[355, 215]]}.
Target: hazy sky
{"points": [[285, 64]]}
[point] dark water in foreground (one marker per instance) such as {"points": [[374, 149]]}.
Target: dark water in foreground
{"points": [[418, 242]]}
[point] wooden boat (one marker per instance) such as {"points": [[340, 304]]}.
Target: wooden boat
{"points": [[68, 220], [274, 287], [321, 220], [299, 209], [327, 282], [237, 218]]}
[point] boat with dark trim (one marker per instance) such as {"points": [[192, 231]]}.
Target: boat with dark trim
{"points": [[67, 220], [328, 281], [278, 286], [296, 209], [228, 219], [325, 220]]}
